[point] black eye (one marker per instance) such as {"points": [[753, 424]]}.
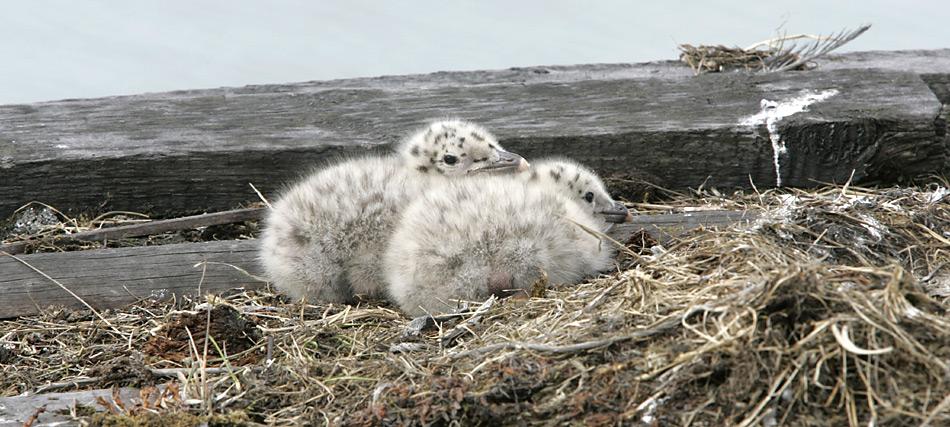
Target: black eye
{"points": [[449, 159], [589, 197]]}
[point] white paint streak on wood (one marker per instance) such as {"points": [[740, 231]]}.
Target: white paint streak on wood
{"points": [[774, 111]]}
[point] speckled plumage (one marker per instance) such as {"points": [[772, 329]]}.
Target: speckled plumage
{"points": [[324, 237], [578, 183], [468, 239]]}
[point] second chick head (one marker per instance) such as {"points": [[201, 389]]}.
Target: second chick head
{"points": [[581, 185], [456, 147]]}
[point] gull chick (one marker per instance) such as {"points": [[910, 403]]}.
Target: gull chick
{"points": [[324, 237], [497, 235], [579, 184]]}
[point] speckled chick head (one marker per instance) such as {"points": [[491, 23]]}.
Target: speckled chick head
{"points": [[579, 184], [455, 147]]}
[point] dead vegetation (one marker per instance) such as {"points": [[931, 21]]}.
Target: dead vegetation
{"points": [[778, 54], [829, 309], [38, 227]]}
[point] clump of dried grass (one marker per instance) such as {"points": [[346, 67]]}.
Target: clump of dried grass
{"points": [[38, 227], [38, 221], [717, 58], [773, 55], [829, 309]]}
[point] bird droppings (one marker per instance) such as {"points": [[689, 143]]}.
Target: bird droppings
{"points": [[789, 321], [774, 111], [648, 408], [34, 219], [158, 294], [938, 195]]}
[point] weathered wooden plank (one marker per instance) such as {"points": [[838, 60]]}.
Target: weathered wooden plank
{"points": [[933, 66], [108, 278], [184, 151], [664, 227], [149, 228]]}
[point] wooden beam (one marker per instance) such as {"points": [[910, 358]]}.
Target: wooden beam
{"points": [[664, 227], [110, 278], [933, 66], [179, 152], [148, 228]]}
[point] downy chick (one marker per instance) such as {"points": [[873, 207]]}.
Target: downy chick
{"points": [[579, 184], [497, 235], [324, 237]]}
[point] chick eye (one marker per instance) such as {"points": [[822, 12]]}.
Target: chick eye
{"points": [[449, 159], [589, 197]]}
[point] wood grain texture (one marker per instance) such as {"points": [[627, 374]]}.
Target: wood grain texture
{"points": [[664, 227], [109, 278], [180, 152]]}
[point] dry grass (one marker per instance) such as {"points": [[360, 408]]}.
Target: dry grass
{"points": [[717, 58], [43, 228], [795, 52], [830, 310]]}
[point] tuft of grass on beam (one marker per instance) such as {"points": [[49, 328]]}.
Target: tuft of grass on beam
{"points": [[783, 53]]}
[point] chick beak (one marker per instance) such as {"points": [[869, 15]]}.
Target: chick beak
{"points": [[506, 162], [616, 214]]}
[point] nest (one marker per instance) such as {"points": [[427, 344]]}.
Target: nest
{"points": [[829, 309], [713, 59]]}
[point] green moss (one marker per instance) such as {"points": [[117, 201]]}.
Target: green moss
{"points": [[171, 419]]}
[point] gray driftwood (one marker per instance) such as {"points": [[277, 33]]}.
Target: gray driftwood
{"points": [[663, 227], [109, 278], [148, 228], [15, 411], [180, 152]]}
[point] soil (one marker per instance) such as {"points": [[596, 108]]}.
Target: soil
{"points": [[231, 331]]}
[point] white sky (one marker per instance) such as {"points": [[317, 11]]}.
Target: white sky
{"points": [[70, 49]]}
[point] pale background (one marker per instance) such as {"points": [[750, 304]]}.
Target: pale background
{"points": [[75, 49]]}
